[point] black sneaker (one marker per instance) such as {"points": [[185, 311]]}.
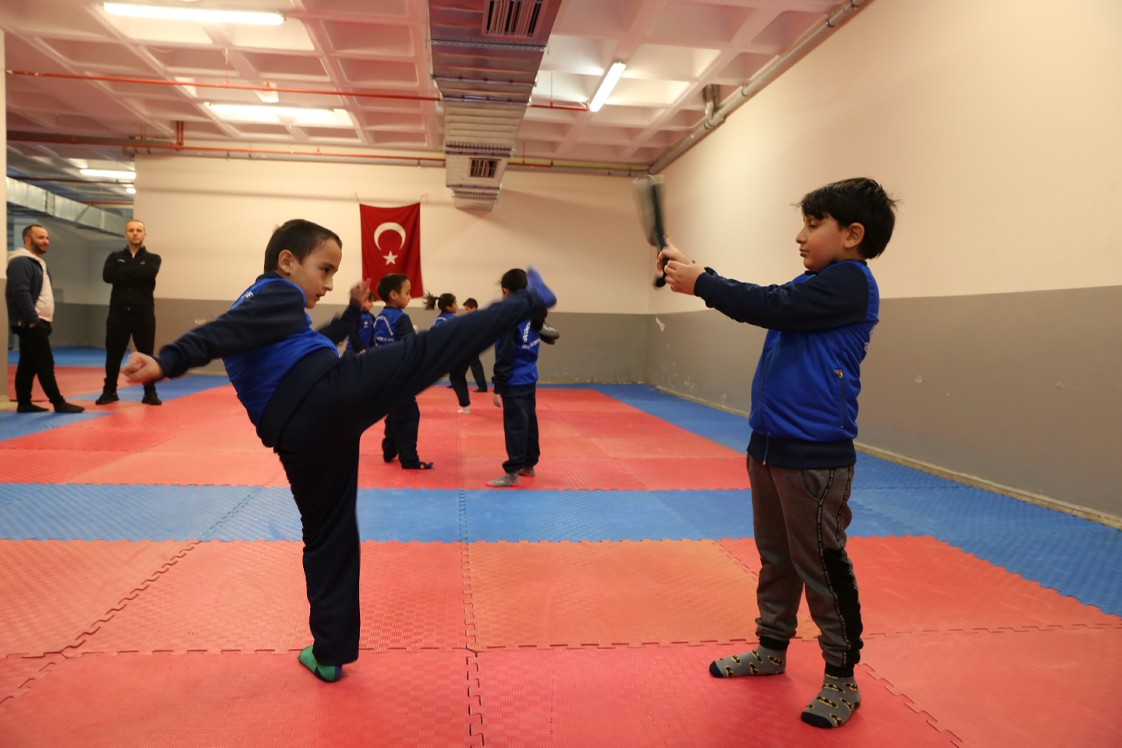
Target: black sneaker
{"points": [[65, 407], [30, 408], [150, 398], [106, 398]]}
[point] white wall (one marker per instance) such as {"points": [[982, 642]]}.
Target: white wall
{"points": [[210, 220], [996, 123]]}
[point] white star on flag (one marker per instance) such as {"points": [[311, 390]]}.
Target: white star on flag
{"points": [[391, 258]]}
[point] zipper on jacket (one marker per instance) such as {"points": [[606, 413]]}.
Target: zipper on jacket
{"points": [[841, 396]]}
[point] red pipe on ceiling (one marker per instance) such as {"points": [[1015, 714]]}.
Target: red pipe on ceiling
{"points": [[266, 87]]}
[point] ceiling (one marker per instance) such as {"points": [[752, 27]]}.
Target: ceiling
{"points": [[86, 89]]}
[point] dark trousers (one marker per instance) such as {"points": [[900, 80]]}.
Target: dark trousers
{"points": [[800, 518], [458, 378], [120, 325], [319, 449], [36, 360], [478, 374], [520, 427], [403, 423]]}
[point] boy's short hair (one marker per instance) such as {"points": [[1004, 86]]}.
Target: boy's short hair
{"points": [[389, 284], [858, 200], [299, 237], [471, 303], [514, 279]]}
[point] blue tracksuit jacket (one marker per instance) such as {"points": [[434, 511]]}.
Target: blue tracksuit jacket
{"points": [[804, 392]]}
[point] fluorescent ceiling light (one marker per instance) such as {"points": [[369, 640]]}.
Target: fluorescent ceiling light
{"points": [[611, 78], [278, 115], [108, 174], [196, 15]]}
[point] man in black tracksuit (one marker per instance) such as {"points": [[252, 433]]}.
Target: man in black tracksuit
{"points": [[132, 308]]}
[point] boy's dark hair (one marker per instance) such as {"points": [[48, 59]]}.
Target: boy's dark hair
{"points": [[471, 303], [858, 200], [299, 237], [389, 284], [444, 301], [514, 280]]}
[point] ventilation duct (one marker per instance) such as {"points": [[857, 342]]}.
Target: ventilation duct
{"points": [[23, 197], [485, 60]]}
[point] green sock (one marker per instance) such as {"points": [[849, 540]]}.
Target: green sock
{"points": [[327, 673], [835, 704], [760, 661]]}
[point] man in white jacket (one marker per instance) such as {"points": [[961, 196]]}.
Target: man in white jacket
{"points": [[31, 308]]}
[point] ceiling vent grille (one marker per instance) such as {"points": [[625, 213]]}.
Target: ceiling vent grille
{"points": [[517, 19], [484, 168]]}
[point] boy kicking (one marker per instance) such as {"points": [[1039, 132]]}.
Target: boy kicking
{"points": [[311, 406]]}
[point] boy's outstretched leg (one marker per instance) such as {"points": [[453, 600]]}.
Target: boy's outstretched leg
{"points": [[360, 390], [367, 386]]}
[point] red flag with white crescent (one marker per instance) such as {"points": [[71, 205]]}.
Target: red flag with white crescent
{"points": [[391, 243]]}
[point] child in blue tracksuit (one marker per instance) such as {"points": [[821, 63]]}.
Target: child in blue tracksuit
{"points": [[804, 420], [478, 373], [403, 422], [516, 385], [457, 376], [361, 337], [311, 406]]}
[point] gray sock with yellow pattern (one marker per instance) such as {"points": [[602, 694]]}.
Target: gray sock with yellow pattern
{"points": [[835, 704], [760, 661]]}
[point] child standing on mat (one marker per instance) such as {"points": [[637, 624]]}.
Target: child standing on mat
{"points": [[477, 371], [804, 419], [362, 337], [516, 384], [457, 375], [311, 406], [404, 420]]}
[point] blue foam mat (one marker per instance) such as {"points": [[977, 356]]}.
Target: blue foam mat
{"points": [[100, 512], [1086, 565], [397, 514], [14, 425]]}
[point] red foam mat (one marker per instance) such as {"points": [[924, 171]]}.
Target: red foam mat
{"points": [[18, 673], [55, 465], [1009, 688], [94, 435], [914, 585], [55, 593], [250, 596], [589, 442], [664, 696], [266, 699], [631, 593], [210, 468]]}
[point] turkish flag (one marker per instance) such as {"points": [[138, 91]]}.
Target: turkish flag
{"points": [[391, 243]]}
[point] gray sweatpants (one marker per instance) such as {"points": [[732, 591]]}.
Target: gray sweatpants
{"points": [[800, 519]]}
